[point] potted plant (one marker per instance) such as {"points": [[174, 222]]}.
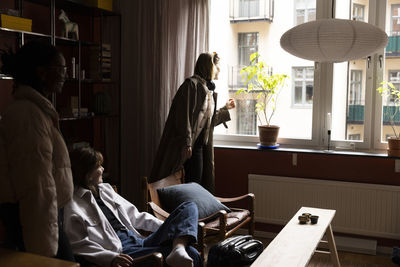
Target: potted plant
{"points": [[389, 91], [259, 80]]}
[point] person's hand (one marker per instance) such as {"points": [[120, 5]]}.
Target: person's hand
{"points": [[230, 104], [122, 260], [187, 152]]}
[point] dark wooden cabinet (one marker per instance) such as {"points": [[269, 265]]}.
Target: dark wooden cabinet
{"points": [[89, 106]]}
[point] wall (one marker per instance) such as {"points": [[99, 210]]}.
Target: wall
{"points": [[233, 165]]}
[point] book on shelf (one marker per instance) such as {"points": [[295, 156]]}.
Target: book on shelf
{"points": [[100, 62], [15, 23], [103, 4]]}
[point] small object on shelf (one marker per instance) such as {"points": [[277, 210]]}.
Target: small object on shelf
{"points": [[103, 4], [74, 102], [9, 11], [73, 72], [82, 113], [100, 62], [69, 26], [15, 23]]}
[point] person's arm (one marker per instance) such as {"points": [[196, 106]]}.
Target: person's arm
{"points": [[139, 220], [30, 167], [222, 115]]}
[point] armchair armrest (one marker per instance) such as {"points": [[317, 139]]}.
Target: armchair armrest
{"points": [[158, 211], [155, 258], [249, 196]]}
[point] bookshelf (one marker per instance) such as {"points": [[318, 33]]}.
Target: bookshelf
{"points": [[89, 106]]}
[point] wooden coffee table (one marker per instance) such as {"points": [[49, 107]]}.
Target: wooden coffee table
{"points": [[296, 243]]}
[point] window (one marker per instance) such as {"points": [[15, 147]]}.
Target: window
{"points": [[249, 8], [305, 11], [354, 137], [247, 117], [394, 78], [346, 90], [395, 25], [248, 44], [355, 87], [358, 12], [303, 78]]}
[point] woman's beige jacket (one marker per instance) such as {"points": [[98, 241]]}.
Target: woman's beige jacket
{"points": [[35, 169]]}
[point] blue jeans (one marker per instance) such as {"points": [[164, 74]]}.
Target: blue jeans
{"points": [[182, 221]]}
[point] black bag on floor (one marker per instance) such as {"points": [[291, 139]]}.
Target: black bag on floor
{"points": [[235, 251]]}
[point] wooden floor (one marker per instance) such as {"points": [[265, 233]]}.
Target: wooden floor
{"points": [[347, 259]]}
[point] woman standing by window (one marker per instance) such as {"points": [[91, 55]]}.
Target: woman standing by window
{"points": [[187, 138]]}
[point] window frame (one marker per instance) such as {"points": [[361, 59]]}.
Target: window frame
{"points": [[322, 99]]}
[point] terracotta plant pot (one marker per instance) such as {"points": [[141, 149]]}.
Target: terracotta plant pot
{"points": [[268, 134], [394, 146]]}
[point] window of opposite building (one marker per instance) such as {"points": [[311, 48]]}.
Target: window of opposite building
{"points": [[303, 85]]}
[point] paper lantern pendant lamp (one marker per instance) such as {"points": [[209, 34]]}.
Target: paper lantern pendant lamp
{"points": [[333, 40]]}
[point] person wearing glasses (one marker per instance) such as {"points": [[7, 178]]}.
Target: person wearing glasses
{"points": [[35, 170]]}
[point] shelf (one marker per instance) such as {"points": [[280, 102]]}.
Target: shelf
{"points": [[76, 118], [96, 27], [97, 81], [25, 32], [5, 77], [89, 117]]}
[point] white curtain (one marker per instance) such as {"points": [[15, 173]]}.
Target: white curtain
{"points": [[161, 40]]}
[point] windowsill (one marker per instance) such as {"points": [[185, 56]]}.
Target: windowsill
{"points": [[286, 149]]}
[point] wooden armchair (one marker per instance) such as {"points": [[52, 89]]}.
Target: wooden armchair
{"points": [[212, 228]]}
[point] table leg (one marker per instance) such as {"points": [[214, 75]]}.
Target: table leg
{"points": [[332, 247]]}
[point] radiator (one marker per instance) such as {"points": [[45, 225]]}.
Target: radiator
{"points": [[365, 209]]}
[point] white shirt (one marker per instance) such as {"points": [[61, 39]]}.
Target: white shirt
{"points": [[90, 233]]}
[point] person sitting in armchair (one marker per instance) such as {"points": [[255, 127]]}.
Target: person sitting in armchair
{"points": [[102, 225]]}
